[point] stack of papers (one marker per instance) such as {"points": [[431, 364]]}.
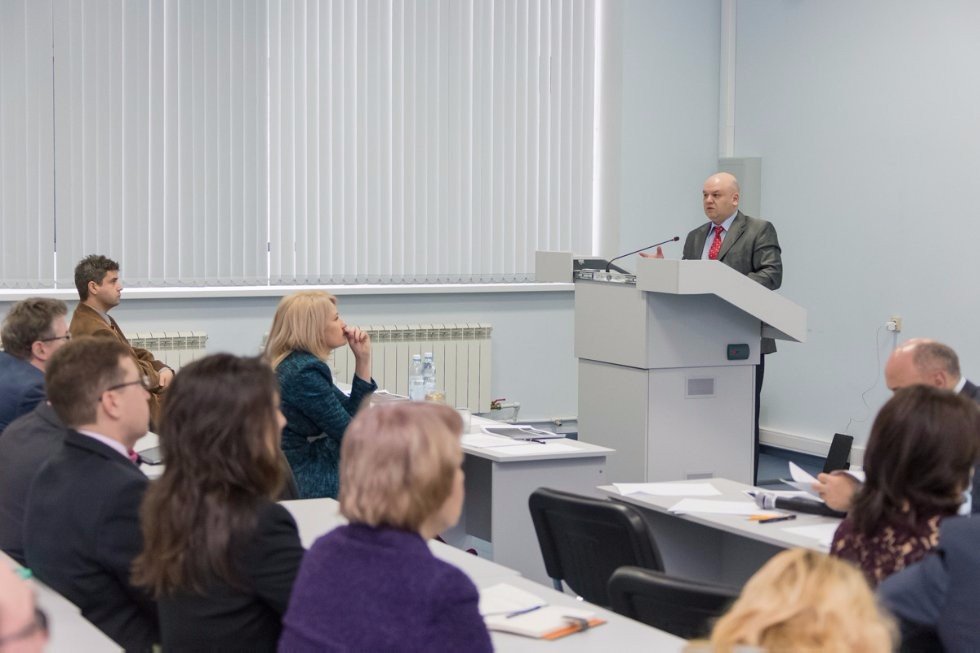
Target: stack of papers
{"points": [[514, 447], [669, 489], [510, 609], [521, 432]]}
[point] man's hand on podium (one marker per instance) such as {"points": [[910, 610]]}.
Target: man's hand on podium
{"points": [[657, 254]]}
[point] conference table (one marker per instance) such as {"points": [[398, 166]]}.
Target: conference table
{"points": [[316, 517], [499, 481], [719, 547], [68, 630]]}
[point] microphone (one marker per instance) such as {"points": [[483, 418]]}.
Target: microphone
{"points": [[642, 249], [769, 501]]}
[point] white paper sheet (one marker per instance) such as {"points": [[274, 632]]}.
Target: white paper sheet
{"points": [[503, 599], [823, 533], [536, 449], [717, 507], [669, 489], [802, 479], [488, 441]]}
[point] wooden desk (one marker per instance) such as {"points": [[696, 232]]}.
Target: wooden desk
{"points": [[716, 547], [315, 517], [68, 630]]}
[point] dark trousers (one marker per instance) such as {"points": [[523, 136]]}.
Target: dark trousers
{"points": [[760, 371]]}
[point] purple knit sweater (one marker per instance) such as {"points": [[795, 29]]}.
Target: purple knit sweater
{"points": [[380, 589]]}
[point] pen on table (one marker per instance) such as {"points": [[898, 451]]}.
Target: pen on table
{"points": [[775, 519], [537, 441], [518, 613]]}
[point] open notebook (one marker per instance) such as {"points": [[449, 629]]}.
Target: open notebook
{"points": [[509, 609]]}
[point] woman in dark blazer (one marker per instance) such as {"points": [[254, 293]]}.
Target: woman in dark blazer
{"points": [[305, 330], [219, 554], [918, 460], [374, 585]]}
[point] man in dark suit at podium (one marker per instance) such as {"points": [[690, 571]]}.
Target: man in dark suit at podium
{"points": [[748, 245]]}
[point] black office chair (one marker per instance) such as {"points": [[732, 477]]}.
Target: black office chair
{"points": [[584, 540], [686, 608]]}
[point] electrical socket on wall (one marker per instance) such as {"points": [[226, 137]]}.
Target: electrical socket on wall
{"points": [[894, 323]]}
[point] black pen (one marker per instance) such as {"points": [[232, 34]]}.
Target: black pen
{"points": [[775, 519]]}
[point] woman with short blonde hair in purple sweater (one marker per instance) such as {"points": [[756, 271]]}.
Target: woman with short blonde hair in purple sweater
{"points": [[374, 584]]}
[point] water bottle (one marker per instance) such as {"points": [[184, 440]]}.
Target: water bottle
{"points": [[416, 383], [429, 374]]}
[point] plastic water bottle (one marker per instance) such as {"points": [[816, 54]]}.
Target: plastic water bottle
{"points": [[416, 383], [429, 374]]}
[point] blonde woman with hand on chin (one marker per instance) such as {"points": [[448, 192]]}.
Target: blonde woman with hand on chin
{"points": [[306, 329]]}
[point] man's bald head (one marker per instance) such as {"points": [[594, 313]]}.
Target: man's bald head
{"points": [[720, 195], [922, 361]]}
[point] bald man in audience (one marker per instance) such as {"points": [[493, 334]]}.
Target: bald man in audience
{"points": [[81, 527], [919, 361]]}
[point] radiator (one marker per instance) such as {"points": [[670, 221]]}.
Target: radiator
{"points": [[175, 348], [461, 353]]}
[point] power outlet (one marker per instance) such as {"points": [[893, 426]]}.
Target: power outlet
{"points": [[894, 323]]}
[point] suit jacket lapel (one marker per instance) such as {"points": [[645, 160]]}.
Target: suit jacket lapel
{"points": [[699, 238], [738, 226]]}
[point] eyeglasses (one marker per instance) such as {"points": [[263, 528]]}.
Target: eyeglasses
{"points": [[38, 624], [65, 337], [144, 381]]}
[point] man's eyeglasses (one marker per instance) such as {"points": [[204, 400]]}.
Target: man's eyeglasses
{"points": [[65, 337], [38, 624], [144, 381]]}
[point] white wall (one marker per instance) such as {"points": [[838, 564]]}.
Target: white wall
{"points": [[669, 135], [532, 333], [865, 115]]}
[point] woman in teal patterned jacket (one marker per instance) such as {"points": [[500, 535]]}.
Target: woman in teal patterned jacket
{"points": [[306, 328]]}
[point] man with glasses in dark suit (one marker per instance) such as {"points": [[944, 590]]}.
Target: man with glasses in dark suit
{"points": [[82, 528]]}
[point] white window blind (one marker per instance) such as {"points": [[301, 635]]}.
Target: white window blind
{"points": [[161, 128], [26, 145], [294, 141], [428, 141]]}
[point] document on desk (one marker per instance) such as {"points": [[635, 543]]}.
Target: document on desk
{"points": [[669, 489], [488, 441], [510, 609], [538, 449], [823, 533], [716, 507]]}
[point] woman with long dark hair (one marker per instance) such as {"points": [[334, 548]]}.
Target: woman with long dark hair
{"points": [[922, 448], [219, 554]]}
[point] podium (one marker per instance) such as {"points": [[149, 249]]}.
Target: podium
{"points": [[666, 371]]}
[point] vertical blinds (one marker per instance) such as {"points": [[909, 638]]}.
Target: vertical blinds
{"points": [[295, 141]]}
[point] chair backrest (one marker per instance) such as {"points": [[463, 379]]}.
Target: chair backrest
{"points": [[686, 608], [584, 540]]}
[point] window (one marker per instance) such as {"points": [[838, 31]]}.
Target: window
{"points": [[295, 141]]}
